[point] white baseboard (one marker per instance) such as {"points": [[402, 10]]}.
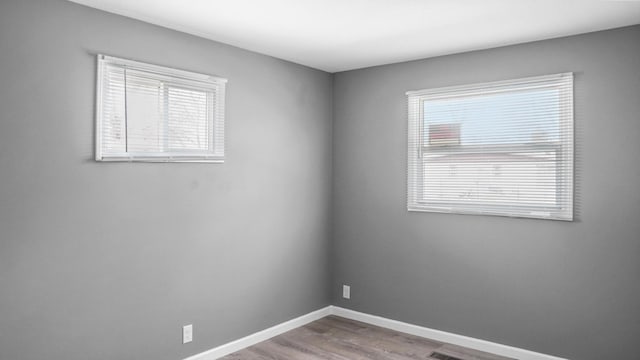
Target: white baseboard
{"points": [[260, 336], [441, 336]]}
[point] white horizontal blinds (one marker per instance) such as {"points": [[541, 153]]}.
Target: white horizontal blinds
{"points": [[187, 125], [503, 148], [145, 112], [112, 111], [150, 113]]}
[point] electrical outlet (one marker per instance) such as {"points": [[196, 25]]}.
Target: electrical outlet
{"points": [[346, 291], [187, 333]]}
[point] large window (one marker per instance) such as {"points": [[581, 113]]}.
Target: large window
{"points": [[501, 148], [152, 113]]}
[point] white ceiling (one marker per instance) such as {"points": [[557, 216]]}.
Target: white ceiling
{"points": [[337, 35]]}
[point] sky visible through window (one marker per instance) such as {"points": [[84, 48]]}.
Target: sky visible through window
{"points": [[488, 119]]}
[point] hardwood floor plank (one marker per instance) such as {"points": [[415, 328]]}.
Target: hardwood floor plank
{"points": [[336, 338], [392, 343]]}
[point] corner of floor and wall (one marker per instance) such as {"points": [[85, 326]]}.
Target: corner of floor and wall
{"points": [[109, 261]]}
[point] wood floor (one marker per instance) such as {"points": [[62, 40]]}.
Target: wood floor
{"points": [[336, 338]]}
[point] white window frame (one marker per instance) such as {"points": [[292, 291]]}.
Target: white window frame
{"points": [[175, 78], [417, 148]]}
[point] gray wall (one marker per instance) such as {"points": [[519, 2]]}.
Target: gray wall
{"points": [[109, 260], [565, 288]]}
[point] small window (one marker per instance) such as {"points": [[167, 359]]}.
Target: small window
{"points": [[502, 148], [152, 113]]}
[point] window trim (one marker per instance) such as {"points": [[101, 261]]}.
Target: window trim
{"points": [[169, 75], [565, 148]]}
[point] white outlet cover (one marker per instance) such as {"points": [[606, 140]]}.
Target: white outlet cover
{"points": [[346, 291], [187, 333]]}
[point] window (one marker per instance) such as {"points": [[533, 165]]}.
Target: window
{"points": [[500, 148], [152, 113]]}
